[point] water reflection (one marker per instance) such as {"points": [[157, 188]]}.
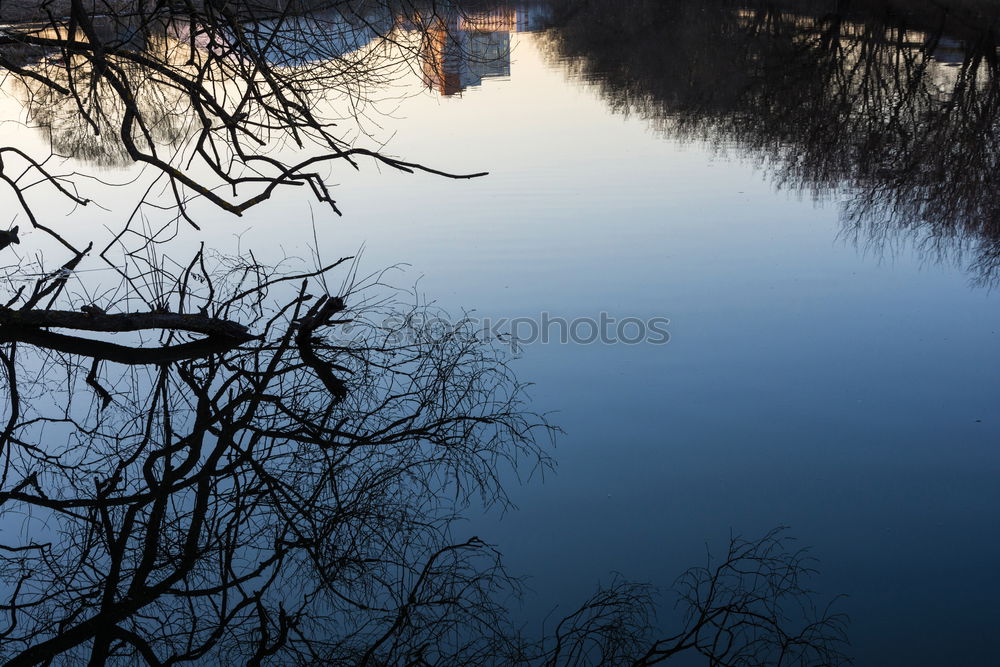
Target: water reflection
{"points": [[348, 52], [286, 492], [278, 495], [462, 48], [890, 113], [893, 113], [207, 458]]}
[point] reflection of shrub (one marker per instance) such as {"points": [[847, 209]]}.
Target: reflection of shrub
{"points": [[825, 102], [95, 138]]}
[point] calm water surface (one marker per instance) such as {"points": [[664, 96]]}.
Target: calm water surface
{"points": [[843, 390], [835, 376]]}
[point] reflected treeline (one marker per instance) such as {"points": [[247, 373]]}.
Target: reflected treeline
{"points": [[894, 104]]}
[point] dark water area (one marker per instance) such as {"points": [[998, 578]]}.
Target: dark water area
{"points": [[733, 268]]}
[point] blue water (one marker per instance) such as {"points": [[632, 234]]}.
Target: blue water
{"points": [[844, 391], [809, 382]]}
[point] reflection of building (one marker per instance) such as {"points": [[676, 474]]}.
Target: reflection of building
{"points": [[519, 18], [462, 49], [455, 59]]}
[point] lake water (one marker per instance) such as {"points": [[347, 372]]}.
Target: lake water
{"points": [[832, 366]]}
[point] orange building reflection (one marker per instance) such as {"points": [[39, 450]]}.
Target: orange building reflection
{"points": [[461, 49]]}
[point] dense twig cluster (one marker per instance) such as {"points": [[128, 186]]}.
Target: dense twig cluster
{"points": [[226, 102], [232, 504]]}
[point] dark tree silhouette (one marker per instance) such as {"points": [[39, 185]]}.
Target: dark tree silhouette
{"points": [[290, 499], [275, 498], [893, 104]]}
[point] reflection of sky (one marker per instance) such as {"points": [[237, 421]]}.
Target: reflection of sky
{"points": [[299, 40], [805, 384]]}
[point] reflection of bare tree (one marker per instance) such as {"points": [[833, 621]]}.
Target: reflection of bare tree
{"points": [[246, 502], [288, 496], [94, 138], [825, 98], [233, 81]]}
